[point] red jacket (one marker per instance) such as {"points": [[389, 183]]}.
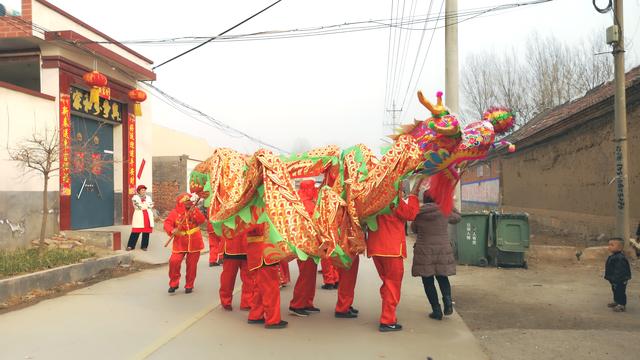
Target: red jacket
{"points": [[188, 238], [259, 251], [389, 240], [237, 245]]}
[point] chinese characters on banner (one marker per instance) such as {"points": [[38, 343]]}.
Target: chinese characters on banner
{"points": [[131, 148], [105, 108], [65, 145]]}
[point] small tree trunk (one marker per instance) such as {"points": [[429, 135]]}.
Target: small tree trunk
{"points": [[45, 210]]}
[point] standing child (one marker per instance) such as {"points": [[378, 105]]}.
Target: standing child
{"points": [[618, 272]]}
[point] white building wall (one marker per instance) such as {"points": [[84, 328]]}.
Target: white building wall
{"points": [[22, 115]]}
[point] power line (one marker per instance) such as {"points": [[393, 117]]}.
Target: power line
{"points": [[397, 52], [214, 37], [405, 51], [170, 100], [393, 22], [386, 85], [424, 61]]}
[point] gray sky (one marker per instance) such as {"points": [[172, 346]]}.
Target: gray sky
{"points": [[314, 91]]}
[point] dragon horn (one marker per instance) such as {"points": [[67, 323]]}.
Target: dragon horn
{"points": [[427, 103]]}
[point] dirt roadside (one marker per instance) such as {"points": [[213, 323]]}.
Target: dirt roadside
{"points": [[39, 295], [551, 311]]}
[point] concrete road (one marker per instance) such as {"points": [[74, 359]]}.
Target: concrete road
{"points": [[134, 318]]}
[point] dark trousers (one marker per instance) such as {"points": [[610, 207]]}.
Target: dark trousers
{"points": [[430, 289], [133, 240], [619, 293]]}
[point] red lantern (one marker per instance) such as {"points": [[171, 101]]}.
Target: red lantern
{"points": [[137, 96], [96, 80]]}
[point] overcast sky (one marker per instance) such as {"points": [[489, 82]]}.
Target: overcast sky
{"points": [[314, 91]]}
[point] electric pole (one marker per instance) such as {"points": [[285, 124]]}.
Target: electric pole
{"points": [[451, 67], [394, 117], [615, 35]]}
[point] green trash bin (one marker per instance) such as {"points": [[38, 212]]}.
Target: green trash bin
{"points": [[508, 239], [471, 239]]}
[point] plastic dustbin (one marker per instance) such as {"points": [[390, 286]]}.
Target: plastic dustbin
{"points": [[471, 239], [508, 239]]}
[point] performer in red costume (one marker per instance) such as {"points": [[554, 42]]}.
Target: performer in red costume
{"points": [[266, 296], [330, 275], [216, 248], [305, 289], [284, 276], [388, 247], [183, 224], [235, 258]]}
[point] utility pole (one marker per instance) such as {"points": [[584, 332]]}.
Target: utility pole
{"points": [[451, 82], [394, 117], [620, 127], [451, 67]]}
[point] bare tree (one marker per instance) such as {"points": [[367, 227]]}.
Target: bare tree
{"points": [[39, 153], [477, 84], [549, 74]]}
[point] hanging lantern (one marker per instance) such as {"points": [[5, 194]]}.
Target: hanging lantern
{"points": [[96, 80], [137, 96]]}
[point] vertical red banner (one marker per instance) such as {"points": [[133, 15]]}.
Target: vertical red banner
{"points": [[131, 148], [65, 145]]}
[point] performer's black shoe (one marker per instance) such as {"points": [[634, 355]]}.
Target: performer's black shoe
{"points": [[346, 315], [353, 310], [311, 309], [298, 312], [327, 287], [392, 327], [281, 325], [256, 321], [188, 291], [173, 289], [214, 263], [335, 286]]}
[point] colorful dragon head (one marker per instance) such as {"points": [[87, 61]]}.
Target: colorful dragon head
{"points": [[447, 148]]}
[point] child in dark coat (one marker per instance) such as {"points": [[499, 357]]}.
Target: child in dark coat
{"points": [[618, 272]]}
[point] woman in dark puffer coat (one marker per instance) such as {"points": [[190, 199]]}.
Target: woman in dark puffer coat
{"points": [[433, 254]]}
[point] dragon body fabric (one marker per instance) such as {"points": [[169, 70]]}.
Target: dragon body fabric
{"points": [[242, 190]]}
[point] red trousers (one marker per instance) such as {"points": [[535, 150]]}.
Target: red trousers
{"points": [[215, 249], [330, 273], [175, 262], [305, 288], [347, 286], [266, 295], [230, 269], [284, 275], [391, 270]]}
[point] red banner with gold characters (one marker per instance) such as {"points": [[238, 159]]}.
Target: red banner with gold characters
{"points": [[65, 145], [131, 148]]}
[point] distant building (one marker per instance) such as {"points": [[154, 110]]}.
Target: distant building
{"points": [[563, 172]]}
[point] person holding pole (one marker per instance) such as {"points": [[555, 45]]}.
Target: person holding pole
{"points": [[183, 227]]}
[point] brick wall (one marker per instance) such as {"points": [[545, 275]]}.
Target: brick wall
{"points": [[17, 26], [169, 179]]}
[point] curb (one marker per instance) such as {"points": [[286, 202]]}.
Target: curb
{"points": [[47, 279]]}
